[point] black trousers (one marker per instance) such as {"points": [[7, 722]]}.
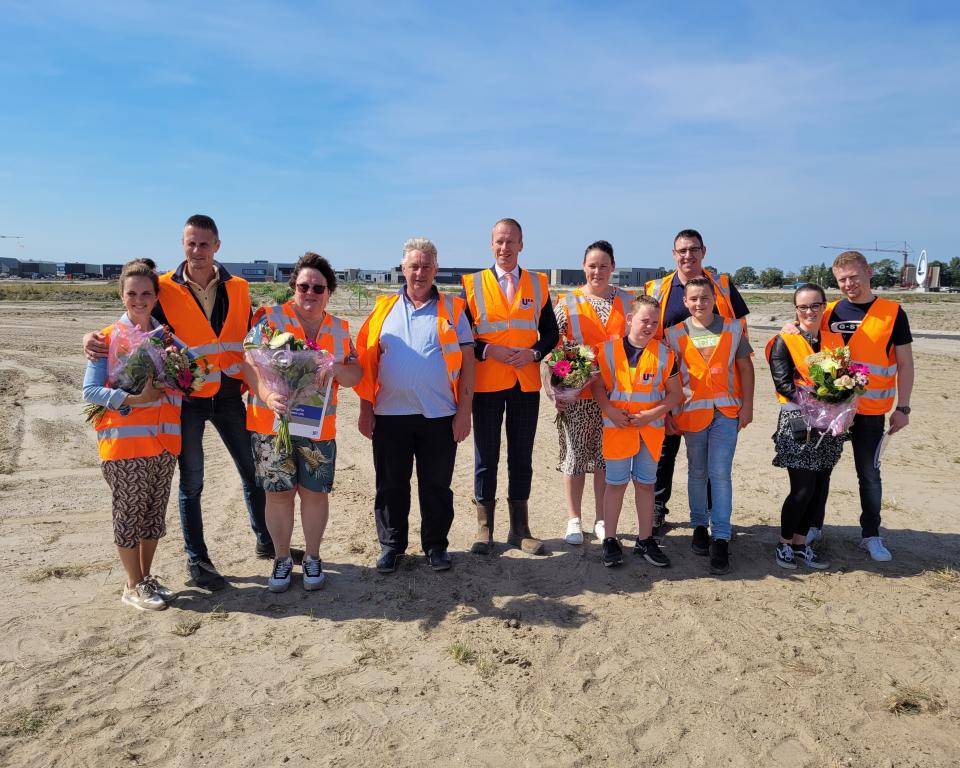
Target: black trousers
{"points": [[806, 504], [865, 435], [523, 410], [668, 458], [397, 441]]}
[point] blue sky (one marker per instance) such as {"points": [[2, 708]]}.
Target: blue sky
{"points": [[346, 128]]}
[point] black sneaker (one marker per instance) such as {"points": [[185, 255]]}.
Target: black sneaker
{"points": [[650, 551], [439, 559], [265, 551], [612, 552], [719, 557], [786, 557], [205, 576], [700, 543], [388, 560]]}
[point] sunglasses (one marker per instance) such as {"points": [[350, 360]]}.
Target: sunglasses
{"points": [[307, 287]]}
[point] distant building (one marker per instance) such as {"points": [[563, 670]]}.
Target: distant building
{"points": [[80, 271], [9, 267], [37, 269], [112, 271], [258, 271]]}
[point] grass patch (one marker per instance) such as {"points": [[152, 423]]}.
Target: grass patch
{"points": [[913, 700], [59, 572], [486, 667], [945, 578], [219, 613], [462, 653], [269, 293], [186, 627], [17, 290], [28, 722], [364, 630]]}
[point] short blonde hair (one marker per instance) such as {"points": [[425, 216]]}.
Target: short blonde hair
{"points": [[850, 257], [426, 247], [643, 300]]}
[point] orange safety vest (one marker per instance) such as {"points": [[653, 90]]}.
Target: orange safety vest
{"points": [[333, 337], [634, 391], [708, 384], [583, 323], [868, 346], [224, 353], [660, 290], [148, 429], [514, 326], [449, 311], [800, 349]]}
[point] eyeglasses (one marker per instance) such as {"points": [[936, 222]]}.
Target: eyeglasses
{"points": [[696, 250], [811, 307], [307, 287]]}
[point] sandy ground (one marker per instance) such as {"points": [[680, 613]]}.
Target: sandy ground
{"points": [[505, 660]]}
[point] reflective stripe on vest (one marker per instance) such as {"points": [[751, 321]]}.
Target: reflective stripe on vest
{"points": [[513, 326], [868, 346], [696, 412], [661, 287], [223, 353], [333, 337], [653, 367]]}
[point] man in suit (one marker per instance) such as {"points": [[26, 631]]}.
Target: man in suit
{"points": [[514, 327]]}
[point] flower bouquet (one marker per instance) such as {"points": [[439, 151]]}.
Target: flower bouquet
{"points": [[571, 366], [830, 404], [291, 367], [135, 355]]}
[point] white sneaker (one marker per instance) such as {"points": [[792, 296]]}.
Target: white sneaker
{"points": [[599, 530], [574, 534], [813, 534], [142, 597], [878, 552], [313, 575], [279, 580]]}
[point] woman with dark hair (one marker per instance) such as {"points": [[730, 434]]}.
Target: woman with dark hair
{"points": [[808, 456], [139, 440], [308, 472], [591, 315]]}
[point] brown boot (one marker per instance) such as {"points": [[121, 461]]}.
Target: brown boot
{"points": [[520, 535], [484, 541]]}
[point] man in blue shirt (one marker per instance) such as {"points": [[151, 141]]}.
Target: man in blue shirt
{"points": [[416, 401]]}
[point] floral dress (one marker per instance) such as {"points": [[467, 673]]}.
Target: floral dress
{"points": [[580, 426]]}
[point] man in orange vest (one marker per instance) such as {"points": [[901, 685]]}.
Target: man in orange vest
{"points": [[514, 327], [688, 253], [208, 309], [878, 334], [416, 397]]}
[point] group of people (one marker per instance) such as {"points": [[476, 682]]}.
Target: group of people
{"points": [[429, 368]]}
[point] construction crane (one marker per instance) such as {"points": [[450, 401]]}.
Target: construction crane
{"points": [[18, 238], [905, 251]]}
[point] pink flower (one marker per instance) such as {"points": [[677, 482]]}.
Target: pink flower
{"points": [[561, 368], [184, 379]]}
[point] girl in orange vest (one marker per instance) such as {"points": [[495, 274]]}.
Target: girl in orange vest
{"points": [[808, 458], [308, 473], [591, 315], [139, 440], [636, 389], [713, 354]]}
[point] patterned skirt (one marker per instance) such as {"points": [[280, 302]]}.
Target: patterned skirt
{"points": [[580, 431], [140, 489], [814, 454]]}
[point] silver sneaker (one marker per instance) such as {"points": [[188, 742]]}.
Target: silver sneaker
{"points": [[166, 594], [142, 597]]}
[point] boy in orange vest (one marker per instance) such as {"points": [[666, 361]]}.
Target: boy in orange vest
{"points": [[636, 389]]}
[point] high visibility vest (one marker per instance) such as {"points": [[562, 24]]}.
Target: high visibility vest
{"points": [[707, 384], [513, 326], [660, 290], [868, 346], [223, 354], [333, 337], [633, 392], [148, 429], [800, 349], [449, 311], [583, 323]]}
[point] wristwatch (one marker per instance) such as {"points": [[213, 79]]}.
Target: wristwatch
{"points": [[904, 409], [537, 356]]}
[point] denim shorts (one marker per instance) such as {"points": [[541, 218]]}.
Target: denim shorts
{"points": [[311, 465], [642, 467]]}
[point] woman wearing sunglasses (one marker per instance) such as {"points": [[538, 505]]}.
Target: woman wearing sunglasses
{"points": [[308, 472], [808, 459]]}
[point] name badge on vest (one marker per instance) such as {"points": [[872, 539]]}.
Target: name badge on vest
{"points": [[716, 370]]}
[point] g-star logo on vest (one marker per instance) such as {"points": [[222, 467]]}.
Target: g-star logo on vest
{"points": [[844, 326]]}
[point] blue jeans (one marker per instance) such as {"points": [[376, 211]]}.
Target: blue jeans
{"points": [[865, 435], [710, 457], [229, 417]]}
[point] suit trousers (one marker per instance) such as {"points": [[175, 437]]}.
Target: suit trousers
{"points": [[397, 441], [523, 411]]}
